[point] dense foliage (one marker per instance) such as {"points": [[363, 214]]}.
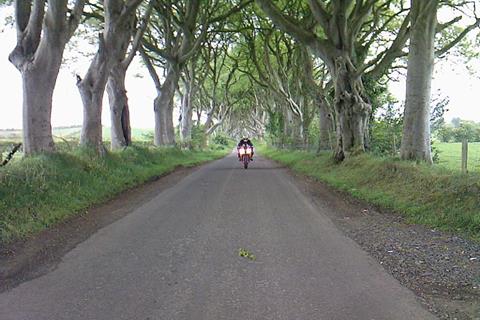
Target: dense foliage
{"points": [[464, 130]]}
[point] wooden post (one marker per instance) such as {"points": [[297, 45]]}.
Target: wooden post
{"points": [[464, 156], [394, 145]]}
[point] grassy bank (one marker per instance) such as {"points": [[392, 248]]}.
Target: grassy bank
{"points": [[433, 196], [40, 191]]}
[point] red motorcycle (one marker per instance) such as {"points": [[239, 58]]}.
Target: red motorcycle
{"points": [[245, 154]]}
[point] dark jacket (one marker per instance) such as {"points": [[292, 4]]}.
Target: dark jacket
{"points": [[245, 142]]}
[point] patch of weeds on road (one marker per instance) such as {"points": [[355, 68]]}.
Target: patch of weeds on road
{"points": [[246, 254]]}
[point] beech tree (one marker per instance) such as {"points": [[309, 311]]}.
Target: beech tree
{"points": [[181, 34], [219, 76], [191, 84], [416, 141], [117, 93], [342, 34], [285, 69], [176, 36], [119, 18], [43, 30], [318, 86], [416, 130]]}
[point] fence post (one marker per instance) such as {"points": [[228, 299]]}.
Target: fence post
{"points": [[464, 156]]}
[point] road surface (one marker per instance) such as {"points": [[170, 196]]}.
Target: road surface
{"points": [[177, 257]]}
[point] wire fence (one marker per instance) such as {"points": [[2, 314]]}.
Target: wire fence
{"points": [[449, 155], [296, 147]]}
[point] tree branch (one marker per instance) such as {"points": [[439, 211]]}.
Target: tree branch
{"points": [[383, 60], [320, 14], [286, 24], [129, 8], [138, 36], [232, 11], [151, 68], [459, 38], [74, 19]]}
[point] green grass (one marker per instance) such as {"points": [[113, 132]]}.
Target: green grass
{"points": [[433, 196], [40, 191], [67, 138], [71, 133], [451, 155]]}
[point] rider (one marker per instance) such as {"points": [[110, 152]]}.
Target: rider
{"points": [[244, 142]]}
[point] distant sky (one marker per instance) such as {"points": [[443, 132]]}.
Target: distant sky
{"points": [[67, 105], [452, 79]]}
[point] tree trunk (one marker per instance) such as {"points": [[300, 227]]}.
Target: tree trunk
{"points": [[301, 124], [210, 113], [326, 127], [187, 113], [163, 106], [119, 111], [297, 131], [91, 90], [416, 125], [351, 108], [164, 129], [336, 48], [41, 40], [287, 126], [113, 43], [39, 78]]}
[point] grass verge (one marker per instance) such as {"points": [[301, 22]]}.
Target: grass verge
{"points": [[40, 191], [432, 196]]}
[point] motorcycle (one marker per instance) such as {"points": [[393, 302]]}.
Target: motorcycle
{"points": [[245, 154]]}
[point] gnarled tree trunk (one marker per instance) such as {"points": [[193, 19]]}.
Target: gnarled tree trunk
{"points": [[351, 108], [119, 111], [416, 124], [186, 122], [190, 84], [163, 107], [341, 23], [326, 126], [91, 90], [119, 23], [121, 135]]}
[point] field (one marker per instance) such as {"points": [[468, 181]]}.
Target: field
{"points": [[66, 137], [70, 133], [450, 155]]}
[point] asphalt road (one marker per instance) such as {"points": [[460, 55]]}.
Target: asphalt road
{"points": [[177, 257]]}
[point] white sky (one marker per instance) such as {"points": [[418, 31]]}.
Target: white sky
{"points": [[453, 80], [67, 104]]}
